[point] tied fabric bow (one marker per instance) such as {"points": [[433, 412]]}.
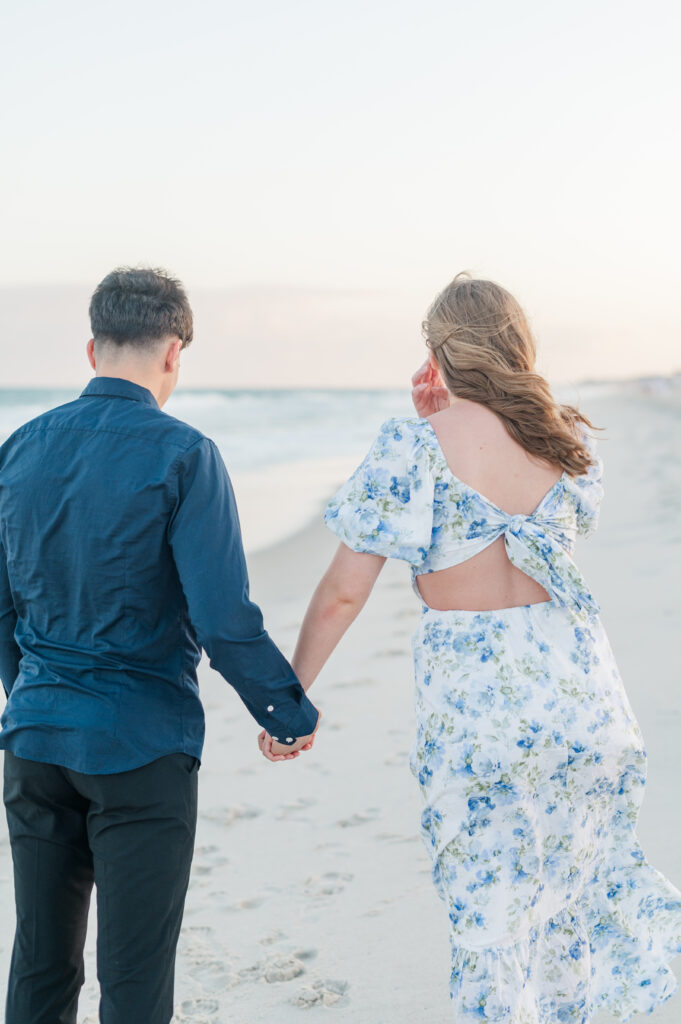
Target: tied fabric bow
{"points": [[533, 546]]}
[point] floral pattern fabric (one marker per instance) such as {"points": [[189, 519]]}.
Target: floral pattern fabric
{"points": [[528, 755], [403, 502]]}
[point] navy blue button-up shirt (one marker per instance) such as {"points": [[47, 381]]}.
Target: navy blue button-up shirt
{"points": [[120, 558]]}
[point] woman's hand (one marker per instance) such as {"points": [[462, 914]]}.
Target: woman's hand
{"points": [[428, 391], [274, 751], [266, 744]]}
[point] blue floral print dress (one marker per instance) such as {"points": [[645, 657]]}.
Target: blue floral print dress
{"points": [[530, 760]]}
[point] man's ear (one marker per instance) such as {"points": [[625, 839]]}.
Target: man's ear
{"points": [[90, 349], [173, 355]]}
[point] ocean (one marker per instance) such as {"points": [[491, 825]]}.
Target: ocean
{"points": [[286, 450]]}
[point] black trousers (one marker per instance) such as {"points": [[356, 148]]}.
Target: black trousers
{"points": [[132, 835]]}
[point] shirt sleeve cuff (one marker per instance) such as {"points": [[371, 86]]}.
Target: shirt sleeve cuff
{"points": [[303, 722], [286, 719]]}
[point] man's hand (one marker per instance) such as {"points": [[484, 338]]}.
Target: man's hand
{"points": [[428, 391], [274, 751]]}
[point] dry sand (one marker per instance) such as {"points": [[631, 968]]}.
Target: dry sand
{"points": [[310, 897]]}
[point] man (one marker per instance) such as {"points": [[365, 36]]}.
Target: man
{"points": [[120, 558]]}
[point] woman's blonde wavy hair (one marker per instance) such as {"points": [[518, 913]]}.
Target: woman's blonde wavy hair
{"points": [[485, 350]]}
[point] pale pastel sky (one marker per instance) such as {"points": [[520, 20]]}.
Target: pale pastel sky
{"points": [[316, 172]]}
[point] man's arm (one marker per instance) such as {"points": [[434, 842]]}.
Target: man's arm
{"points": [[10, 654], [205, 537]]}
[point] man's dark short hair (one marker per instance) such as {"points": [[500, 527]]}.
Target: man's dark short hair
{"points": [[138, 306]]}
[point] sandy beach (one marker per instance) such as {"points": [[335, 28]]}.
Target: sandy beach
{"points": [[310, 896]]}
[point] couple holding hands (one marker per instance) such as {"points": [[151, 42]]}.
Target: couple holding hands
{"points": [[121, 561]]}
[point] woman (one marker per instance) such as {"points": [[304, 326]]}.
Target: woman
{"points": [[528, 755]]}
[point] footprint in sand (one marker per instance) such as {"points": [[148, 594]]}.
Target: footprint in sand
{"points": [[249, 903], [359, 818], [207, 858], [374, 912], [230, 815], [214, 975], [304, 954], [391, 652], [196, 932], [208, 965], [282, 968], [274, 969], [322, 993], [197, 1011], [328, 884], [197, 944], [292, 810]]}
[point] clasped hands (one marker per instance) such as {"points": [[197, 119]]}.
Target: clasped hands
{"points": [[274, 751]]}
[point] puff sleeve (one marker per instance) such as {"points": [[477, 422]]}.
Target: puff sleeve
{"points": [[590, 490], [386, 507]]}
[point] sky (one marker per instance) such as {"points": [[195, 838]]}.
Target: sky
{"points": [[315, 173]]}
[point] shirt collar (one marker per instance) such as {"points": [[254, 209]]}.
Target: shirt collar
{"points": [[119, 387]]}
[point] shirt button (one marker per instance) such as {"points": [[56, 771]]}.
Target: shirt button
{"points": [[289, 739], [270, 707], [276, 739]]}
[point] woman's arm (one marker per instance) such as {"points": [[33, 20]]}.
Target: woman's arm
{"points": [[336, 603]]}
